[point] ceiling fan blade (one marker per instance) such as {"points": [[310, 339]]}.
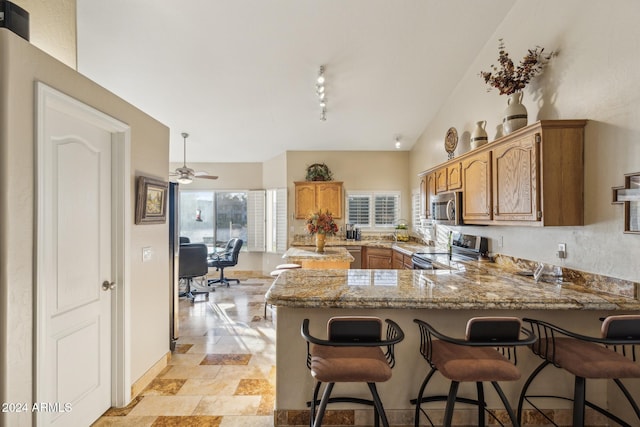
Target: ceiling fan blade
{"points": [[206, 176]]}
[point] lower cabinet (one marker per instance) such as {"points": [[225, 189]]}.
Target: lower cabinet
{"points": [[377, 258], [401, 261]]}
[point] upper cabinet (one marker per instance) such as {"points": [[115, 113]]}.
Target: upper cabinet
{"points": [[448, 178], [476, 197], [533, 176], [427, 189], [314, 195]]}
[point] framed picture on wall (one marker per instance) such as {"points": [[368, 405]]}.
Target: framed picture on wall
{"points": [[151, 201]]}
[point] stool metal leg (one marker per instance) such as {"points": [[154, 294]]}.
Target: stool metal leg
{"points": [[505, 402], [378, 404], [313, 403], [526, 385], [451, 400], [481, 403], [578, 401], [626, 393], [323, 404], [420, 394]]}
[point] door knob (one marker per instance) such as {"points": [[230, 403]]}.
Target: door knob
{"points": [[107, 286]]}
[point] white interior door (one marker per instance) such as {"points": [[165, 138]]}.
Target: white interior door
{"points": [[75, 272]]}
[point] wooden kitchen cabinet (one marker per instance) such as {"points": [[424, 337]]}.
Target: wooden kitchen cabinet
{"points": [[448, 178], [311, 196], [427, 189], [533, 176], [476, 197], [454, 176], [377, 258], [538, 175], [516, 180], [401, 261]]}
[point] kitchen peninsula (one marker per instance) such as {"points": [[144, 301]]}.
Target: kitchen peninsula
{"points": [[444, 298], [307, 257]]}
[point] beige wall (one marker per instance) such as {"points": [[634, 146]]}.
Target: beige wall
{"points": [[358, 170], [594, 77], [53, 27], [21, 65]]}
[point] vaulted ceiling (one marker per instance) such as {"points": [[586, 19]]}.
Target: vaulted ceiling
{"points": [[239, 75]]}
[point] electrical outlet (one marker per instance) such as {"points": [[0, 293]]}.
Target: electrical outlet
{"points": [[562, 250]]}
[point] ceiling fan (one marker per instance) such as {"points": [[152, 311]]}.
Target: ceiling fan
{"points": [[186, 175]]}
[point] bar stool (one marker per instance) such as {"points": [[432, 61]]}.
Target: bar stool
{"points": [[612, 356], [352, 353], [484, 355]]}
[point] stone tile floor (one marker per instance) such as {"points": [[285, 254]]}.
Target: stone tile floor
{"points": [[222, 372]]}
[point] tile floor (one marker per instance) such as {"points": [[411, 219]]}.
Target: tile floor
{"points": [[222, 372]]}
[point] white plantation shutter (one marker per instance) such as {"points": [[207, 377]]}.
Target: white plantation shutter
{"points": [[281, 220], [386, 210], [373, 209], [415, 209], [256, 220], [359, 210], [276, 212]]}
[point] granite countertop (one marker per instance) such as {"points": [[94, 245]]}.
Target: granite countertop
{"points": [[470, 285], [334, 253]]}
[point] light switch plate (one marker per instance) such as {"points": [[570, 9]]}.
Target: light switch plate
{"points": [[147, 254]]}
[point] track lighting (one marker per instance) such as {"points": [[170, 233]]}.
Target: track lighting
{"points": [[320, 91]]}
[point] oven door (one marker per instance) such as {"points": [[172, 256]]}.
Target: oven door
{"points": [[446, 208]]}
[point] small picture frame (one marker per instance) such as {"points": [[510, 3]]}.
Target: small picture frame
{"points": [[151, 201]]}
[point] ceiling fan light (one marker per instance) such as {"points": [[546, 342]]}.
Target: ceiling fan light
{"points": [[184, 180]]}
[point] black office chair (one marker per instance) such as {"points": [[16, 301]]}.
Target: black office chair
{"points": [[184, 240], [227, 258], [192, 264]]}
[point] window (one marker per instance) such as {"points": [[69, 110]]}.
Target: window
{"points": [[373, 209], [214, 217]]}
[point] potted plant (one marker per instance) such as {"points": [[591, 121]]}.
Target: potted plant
{"points": [[510, 80], [318, 172]]}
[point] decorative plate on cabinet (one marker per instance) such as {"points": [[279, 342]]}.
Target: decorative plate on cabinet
{"points": [[451, 140]]}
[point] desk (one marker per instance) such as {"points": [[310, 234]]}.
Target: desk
{"points": [[331, 258]]}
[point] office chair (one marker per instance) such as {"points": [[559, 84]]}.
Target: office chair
{"points": [[228, 258], [184, 240], [192, 264]]}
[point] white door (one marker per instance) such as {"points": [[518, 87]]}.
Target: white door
{"points": [[75, 272]]}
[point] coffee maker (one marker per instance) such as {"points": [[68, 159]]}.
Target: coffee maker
{"points": [[350, 232]]}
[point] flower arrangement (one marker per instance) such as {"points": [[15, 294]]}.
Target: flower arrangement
{"points": [[321, 223], [508, 78]]}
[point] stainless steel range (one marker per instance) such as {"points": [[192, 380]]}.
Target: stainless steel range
{"points": [[464, 247]]}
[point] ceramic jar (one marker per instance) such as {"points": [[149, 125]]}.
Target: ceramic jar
{"points": [[479, 135], [515, 115]]}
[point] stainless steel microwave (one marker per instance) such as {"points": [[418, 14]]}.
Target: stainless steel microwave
{"points": [[446, 208]]}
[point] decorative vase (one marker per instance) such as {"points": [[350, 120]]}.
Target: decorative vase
{"points": [[320, 242], [479, 135], [515, 116]]}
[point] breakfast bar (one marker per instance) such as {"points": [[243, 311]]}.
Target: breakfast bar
{"points": [[446, 298]]}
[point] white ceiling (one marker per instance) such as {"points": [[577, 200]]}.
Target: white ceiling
{"points": [[239, 75]]}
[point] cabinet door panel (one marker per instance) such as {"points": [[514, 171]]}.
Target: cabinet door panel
{"points": [[305, 200], [441, 180], [454, 177], [476, 175], [515, 178], [329, 197]]}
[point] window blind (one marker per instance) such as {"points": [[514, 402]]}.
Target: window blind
{"points": [[256, 220]]}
